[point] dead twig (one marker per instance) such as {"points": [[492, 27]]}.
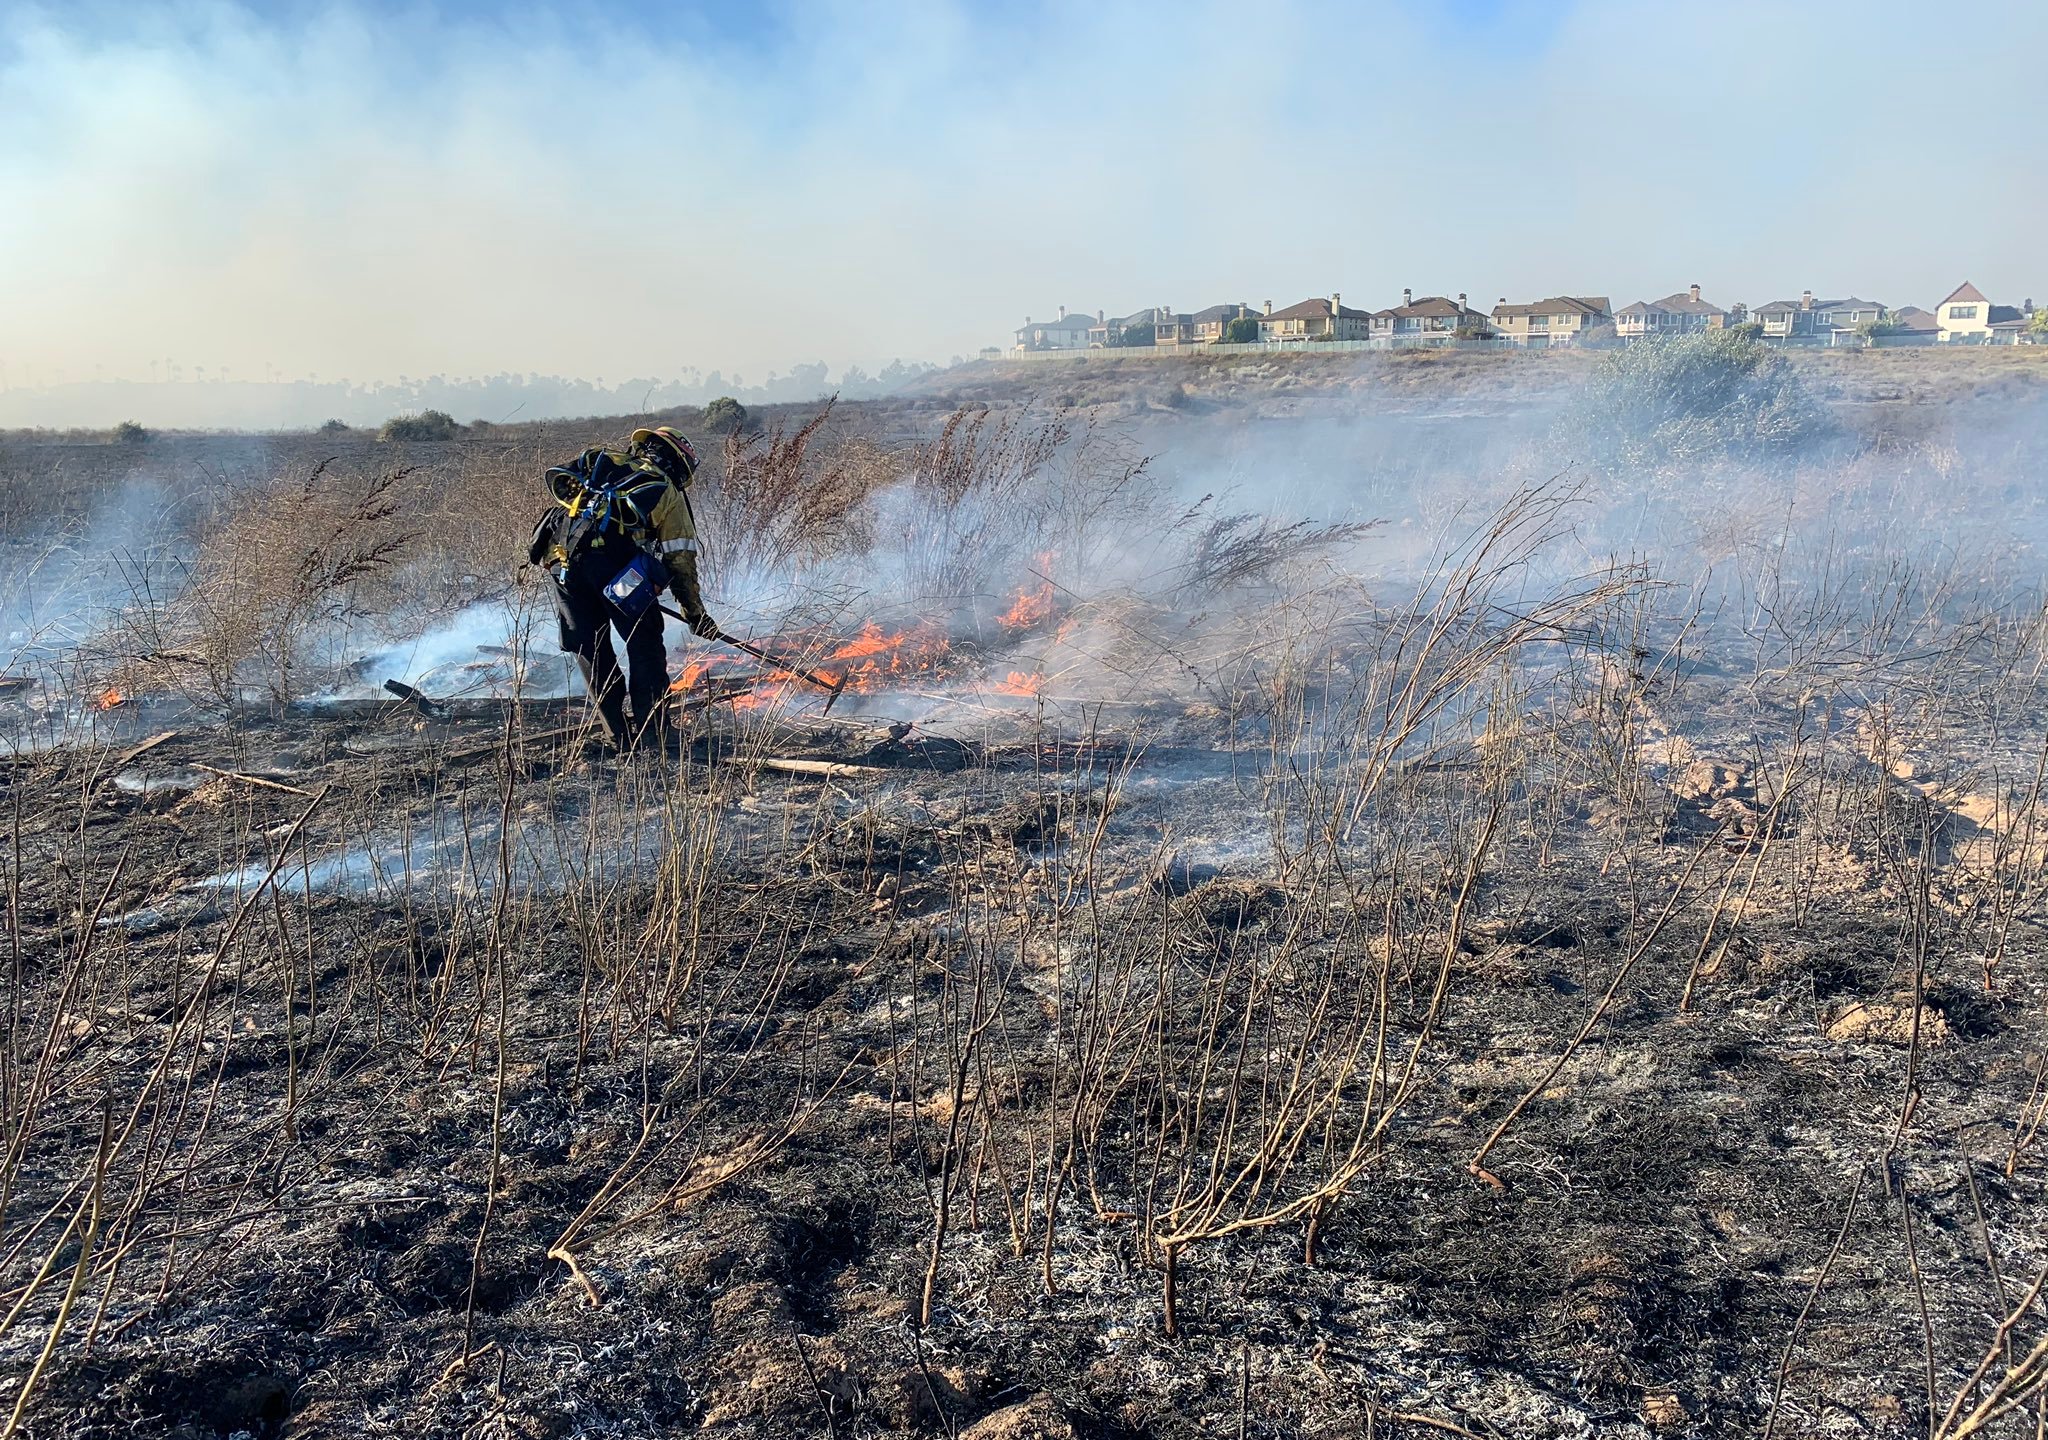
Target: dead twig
{"points": [[1477, 1164], [254, 781], [1799, 1324]]}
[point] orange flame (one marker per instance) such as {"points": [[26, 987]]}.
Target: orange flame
{"points": [[875, 659], [110, 699], [1019, 683], [699, 667], [870, 641], [1029, 610], [887, 659], [1033, 606]]}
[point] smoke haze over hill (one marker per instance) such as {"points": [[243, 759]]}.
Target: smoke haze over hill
{"points": [[229, 404], [375, 191]]}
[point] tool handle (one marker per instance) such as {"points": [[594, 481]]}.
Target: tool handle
{"points": [[831, 687]]}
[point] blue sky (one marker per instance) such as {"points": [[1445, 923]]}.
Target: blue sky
{"points": [[372, 188]]}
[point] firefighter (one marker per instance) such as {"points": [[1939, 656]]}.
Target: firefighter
{"points": [[618, 531]]}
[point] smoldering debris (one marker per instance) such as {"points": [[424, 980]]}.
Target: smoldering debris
{"points": [[432, 709]]}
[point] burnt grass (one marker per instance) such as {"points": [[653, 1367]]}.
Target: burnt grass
{"points": [[300, 1236]]}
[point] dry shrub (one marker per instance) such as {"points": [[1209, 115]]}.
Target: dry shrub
{"points": [[926, 519], [784, 500], [998, 495], [980, 451], [473, 527], [279, 570], [1697, 396], [1244, 551], [971, 504]]}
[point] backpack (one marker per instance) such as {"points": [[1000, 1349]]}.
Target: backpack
{"points": [[604, 505]]}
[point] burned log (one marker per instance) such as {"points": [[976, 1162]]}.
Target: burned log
{"points": [[828, 769], [432, 709], [902, 750]]}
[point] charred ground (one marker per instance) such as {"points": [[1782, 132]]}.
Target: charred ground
{"points": [[1479, 1007], [760, 1105]]}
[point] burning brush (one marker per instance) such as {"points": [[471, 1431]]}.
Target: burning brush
{"points": [[1032, 606], [829, 684], [1021, 684], [878, 658]]}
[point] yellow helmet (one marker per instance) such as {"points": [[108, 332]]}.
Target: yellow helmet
{"points": [[669, 449]]}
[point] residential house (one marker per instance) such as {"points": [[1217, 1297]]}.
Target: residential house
{"points": [[1171, 327], [1964, 317], [1206, 327], [1108, 332], [1967, 317], [2010, 326], [1673, 315], [1432, 320], [1560, 320], [1916, 327], [1068, 332], [1316, 319], [1808, 321]]}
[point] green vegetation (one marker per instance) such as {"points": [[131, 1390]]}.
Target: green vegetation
{"points": [[128, 432], [1696, 396], [334, 427], [1244, 330], [2039, 323], [1132, 337], [427, 426], [724, 415]]}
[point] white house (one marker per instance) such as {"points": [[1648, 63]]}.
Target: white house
{"points": [[1068, 332]]}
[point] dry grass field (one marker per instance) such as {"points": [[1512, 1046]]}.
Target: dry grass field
{"points": [[1395, 899]]}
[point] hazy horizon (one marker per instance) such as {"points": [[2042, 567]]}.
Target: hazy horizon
{"points": [[602, 191]]}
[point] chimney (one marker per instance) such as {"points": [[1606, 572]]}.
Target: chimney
{"points": [[1101, 317], [1407, 297], [1502, 301], [1695, 292], [1805, 299], [1269, 307], [1461, 301], [1336, 304], [1063, 312]]}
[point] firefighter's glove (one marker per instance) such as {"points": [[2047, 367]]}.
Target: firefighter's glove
{"points": [[543, 538], [704, 626]]}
